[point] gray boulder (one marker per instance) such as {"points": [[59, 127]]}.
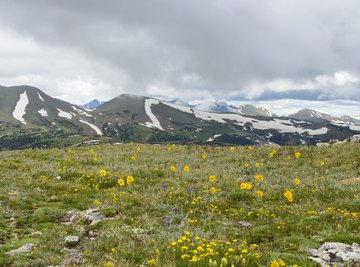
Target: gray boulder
{"points": [[335, 253]]}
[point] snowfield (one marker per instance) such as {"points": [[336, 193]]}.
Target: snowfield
{"points": [[43, 112], [94, 127], [20, 108], [64, 114], [283, 126], [154, 121]]}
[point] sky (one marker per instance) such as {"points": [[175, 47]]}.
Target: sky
{"points": [[284, 55]]}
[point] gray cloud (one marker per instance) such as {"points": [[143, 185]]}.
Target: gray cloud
{"points": [[216, 47]]}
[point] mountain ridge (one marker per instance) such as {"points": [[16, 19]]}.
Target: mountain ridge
{"points": [[145, 119]]}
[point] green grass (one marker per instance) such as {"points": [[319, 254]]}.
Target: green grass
{"points": [[168, 218]]}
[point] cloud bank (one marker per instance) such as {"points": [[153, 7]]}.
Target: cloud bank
{"points": [[192, 49]]}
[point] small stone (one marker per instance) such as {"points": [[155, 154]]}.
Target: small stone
{"points": [[58, 178], [73, 257], [71, 239], [36, 234], [23, 249]]}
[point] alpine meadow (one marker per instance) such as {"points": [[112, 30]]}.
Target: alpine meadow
{"points": [[177, 205]]}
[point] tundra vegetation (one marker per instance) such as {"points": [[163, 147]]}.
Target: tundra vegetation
{"points": [[172, 205]]}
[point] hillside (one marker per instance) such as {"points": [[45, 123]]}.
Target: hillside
{"points": [[149, 205], [30, 118]]}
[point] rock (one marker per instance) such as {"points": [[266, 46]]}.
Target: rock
{"points": [[36, 234], [71, 216], [23, 249], [335, 253], [73, 257], [58, 178], [71, 239], [91, 216]]}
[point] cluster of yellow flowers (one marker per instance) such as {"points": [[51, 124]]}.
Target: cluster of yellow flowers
{"points": [[272, 153], [279, 263], [289, 196], [191, 248], [129, 180], [245, 186]]}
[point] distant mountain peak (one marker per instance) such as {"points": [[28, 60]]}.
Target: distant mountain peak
{"points": [[251, 110], [92, 104], [312, 115]]}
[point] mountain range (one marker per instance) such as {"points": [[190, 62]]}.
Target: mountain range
{"points": [[31, 118]]}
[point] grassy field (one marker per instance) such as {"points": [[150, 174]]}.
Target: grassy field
{"points": [[179, 205]]}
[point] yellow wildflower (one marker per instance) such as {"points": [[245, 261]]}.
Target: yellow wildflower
{"points": [[260, 193], [297, 155], [274, 263], [102, 172], [297, 181], [172, 168], [259, 177], [121, 182], [212, 190], [151, 262], [212, 178], [129, 179], [186, 168], [185, 256]]}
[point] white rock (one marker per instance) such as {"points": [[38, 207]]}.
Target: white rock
{"points": [[71, 239], [23, 249]]}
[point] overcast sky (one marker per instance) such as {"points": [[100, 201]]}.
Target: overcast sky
{"points": [[255, 50]]}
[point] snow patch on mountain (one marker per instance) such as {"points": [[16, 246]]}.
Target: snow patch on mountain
{"points": [[94, 127], [354, 127], [213, 138], [43, 112], [81, 112], [64, 114], [20, 107], [154, 121], [40, 97]]}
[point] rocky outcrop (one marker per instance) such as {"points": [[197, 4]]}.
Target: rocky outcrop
{"points": [[352, 139], [90, 216], [335, 253]]}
